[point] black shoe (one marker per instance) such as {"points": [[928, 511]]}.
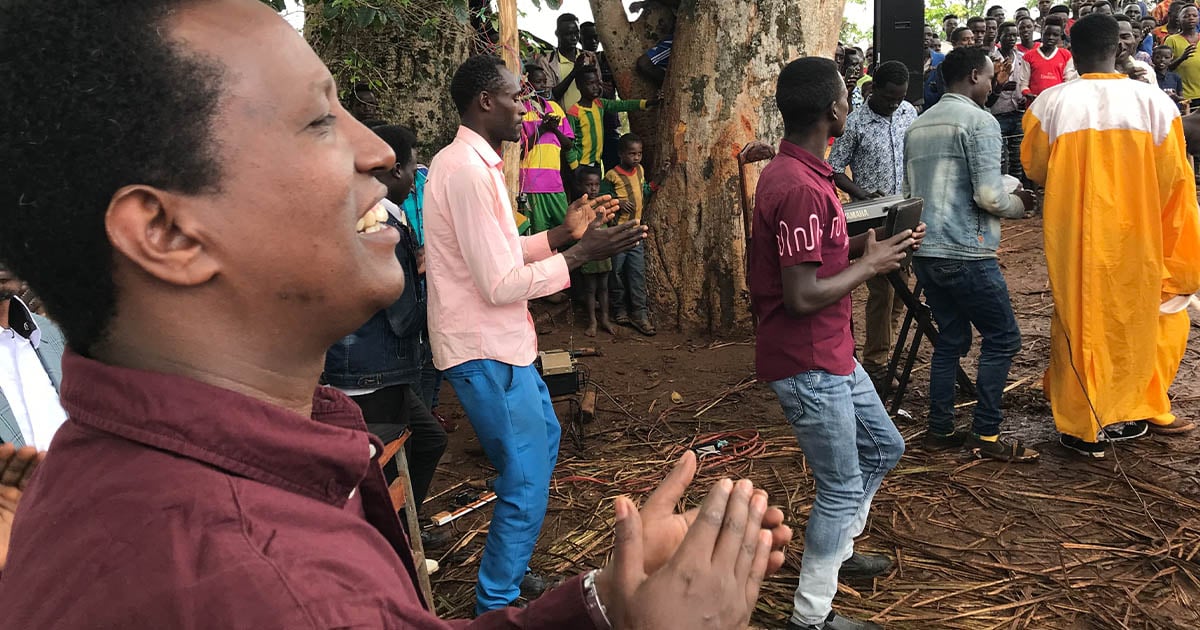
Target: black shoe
{"points": [[1087, 449], [836, 622], [1125, 431], [935, 442], [533, 585], [864, 566], [431, 540]]}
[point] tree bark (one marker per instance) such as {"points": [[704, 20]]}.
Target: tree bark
{"points": [[412, 67], [719, 95]]}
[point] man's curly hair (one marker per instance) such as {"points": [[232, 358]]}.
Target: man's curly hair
{"points": [[97, 97], [476, 75]]}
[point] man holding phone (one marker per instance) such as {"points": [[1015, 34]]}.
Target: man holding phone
{"points": [[953, 163]]}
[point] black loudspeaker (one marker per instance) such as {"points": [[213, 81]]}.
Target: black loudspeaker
{"points": [[899, 36]]}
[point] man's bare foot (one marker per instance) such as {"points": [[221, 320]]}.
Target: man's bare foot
{"points": [[591, 329], [608, 327]]}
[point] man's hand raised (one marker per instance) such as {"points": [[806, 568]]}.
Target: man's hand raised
{"points": [[17, 465], [16, 468], [711, 581], [584, 211], [664, 529], [598, 242]]}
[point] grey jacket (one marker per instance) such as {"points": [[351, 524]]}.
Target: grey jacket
{"points": [[50, 351]]}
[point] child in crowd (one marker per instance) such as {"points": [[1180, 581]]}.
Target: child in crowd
{"points": [[1183, 45], [1168, 81], [1047, 65], [627, 182], [545, 133], [587, 118], [595, 273]]}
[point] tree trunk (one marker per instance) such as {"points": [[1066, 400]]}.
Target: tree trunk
{"points": [[719, 95], [410, 62]]}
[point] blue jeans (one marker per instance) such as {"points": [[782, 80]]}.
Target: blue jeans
{"points": [[962, 293], [850, 443], [431, 385], [510, 409], [629, 277], [1011, 134]]}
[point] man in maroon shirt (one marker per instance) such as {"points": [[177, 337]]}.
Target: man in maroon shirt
{"points": [[801, 279], [225, 233]]}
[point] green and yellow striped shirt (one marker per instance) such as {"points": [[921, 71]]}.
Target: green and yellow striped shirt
{"points": [[628, 184], [588, 124]]}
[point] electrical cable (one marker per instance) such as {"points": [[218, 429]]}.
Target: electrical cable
{"points": [[1096, 415]]}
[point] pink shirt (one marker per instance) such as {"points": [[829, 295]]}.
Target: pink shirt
{"points": [[481, 273]]}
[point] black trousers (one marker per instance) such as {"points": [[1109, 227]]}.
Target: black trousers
{"points": [[388, 412]]}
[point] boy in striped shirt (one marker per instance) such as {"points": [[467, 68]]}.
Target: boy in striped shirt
{"points": [[544, 135], [627, 183], [587, 118]]}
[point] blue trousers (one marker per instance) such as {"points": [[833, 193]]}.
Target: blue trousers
{"points": [[510, 409], [962, 293], [628, 284], [850, 443]]}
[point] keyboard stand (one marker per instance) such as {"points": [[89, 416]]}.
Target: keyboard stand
{"points": [[918, 320]]}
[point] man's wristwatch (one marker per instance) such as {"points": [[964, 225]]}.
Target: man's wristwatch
{"points": [[595, 607]]}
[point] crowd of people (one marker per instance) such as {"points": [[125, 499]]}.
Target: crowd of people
{"points": [[1123, 255], [236, 396]]}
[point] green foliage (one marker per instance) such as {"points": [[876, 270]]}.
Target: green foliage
{"points": [[852, 34], [367, 13], [935, 10]]}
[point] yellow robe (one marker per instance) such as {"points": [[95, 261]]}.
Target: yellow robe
{"points": [[1122, 234]]}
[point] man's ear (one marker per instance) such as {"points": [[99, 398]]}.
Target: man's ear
{"points": [[148, 227], [485, 101]]}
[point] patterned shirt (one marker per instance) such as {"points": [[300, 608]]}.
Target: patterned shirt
{"points": [[628, 185], [588, 124], [541, 169], [873, 147]]}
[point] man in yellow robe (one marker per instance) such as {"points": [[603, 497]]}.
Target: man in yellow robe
{"points": [[1119, 242]]}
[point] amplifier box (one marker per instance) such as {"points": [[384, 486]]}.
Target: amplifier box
{"points": [[558, 371]]}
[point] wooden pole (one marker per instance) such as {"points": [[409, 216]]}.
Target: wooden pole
{"points": [[510, 51]]}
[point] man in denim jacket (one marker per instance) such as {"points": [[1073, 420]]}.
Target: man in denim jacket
{"points": [[379, 365], [953, 163]]}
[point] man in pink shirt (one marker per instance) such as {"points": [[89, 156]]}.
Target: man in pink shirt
{"points": [[481, 275]]}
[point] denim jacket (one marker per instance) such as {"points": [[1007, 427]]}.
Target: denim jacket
{"points": [[391, 348], [952, 161]]}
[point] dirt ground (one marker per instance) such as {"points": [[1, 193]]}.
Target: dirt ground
{"points": [[1064, 543]]}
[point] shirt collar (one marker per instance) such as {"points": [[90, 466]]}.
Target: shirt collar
{"points": [[323, 457], [21, 321], [808, 159], [626, 172], [960, 97], [1105, 75], [476, 142]]}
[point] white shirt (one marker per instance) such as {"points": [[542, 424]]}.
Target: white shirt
{"points": [[27, 387]]}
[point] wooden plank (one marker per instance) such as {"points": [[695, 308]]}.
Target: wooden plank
{"points": [[510, 52]]}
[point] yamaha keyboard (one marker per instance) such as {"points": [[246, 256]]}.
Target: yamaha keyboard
{"points": [[872, 213]]}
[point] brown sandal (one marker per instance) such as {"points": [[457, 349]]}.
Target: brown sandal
{"points": [[1180, 425]]}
